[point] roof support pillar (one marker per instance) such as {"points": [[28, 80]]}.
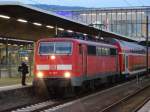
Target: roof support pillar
{"points": [[56, 30], [147, 35]]}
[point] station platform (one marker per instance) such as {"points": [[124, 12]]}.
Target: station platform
{"points": [[145, 108], [14, 87]]}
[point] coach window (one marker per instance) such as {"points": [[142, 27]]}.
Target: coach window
{"points": [[92, 50]]}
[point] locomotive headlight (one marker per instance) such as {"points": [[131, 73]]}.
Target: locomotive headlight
{"points": [[67, 74], [53, 57], [40, 75]]}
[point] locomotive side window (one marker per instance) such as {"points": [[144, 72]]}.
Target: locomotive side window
{"points": [[99, 51], [103, 51], [55, 48], [113, 51], [107, 51], [91, 50]]}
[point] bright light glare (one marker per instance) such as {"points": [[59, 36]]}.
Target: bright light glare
{"points": [[15, 45], [4, 16], [26, 58], [67, 75], [22, 20], [102, 38], [96, 37], [53, 57], [61, 29], [70, 31], [83, 14], [48, 26], [40, 75], [37, 24], [84, 34]]}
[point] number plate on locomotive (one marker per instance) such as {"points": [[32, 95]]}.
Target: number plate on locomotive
{"points": [[52, 67]]}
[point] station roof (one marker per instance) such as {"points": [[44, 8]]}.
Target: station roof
{"points": [[17, 10]]}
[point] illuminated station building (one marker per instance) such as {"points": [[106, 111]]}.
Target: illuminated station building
{"points": [[12, 53], [130, 21]]}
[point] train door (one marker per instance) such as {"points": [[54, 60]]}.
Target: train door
{"points": [[126, 63], [84, 59]]}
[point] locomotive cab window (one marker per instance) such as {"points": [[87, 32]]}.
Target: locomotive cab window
{"points": [[46, 48], [62, 48]]}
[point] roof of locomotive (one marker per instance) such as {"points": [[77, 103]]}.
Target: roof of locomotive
{"points": [[88, 42]]}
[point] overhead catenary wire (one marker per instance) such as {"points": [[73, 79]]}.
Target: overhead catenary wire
{"points": [[34, 1], [127, 2], [141, 2], [130, 4]]}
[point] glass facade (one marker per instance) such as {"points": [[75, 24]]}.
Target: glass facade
{"points": [[130, 22], [12, 53]]}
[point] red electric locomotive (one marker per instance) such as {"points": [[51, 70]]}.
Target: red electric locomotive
{"points": [[63, 62], [66, 61]]}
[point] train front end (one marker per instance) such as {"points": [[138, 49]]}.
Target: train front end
{"points": [[54, 62]]}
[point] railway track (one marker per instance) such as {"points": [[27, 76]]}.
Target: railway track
{"points": [[130, 103], [37, 107], [51, 105], [99, 101]]}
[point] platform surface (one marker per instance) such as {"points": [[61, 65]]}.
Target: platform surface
{"points": [[12, 87], [145, 108]]}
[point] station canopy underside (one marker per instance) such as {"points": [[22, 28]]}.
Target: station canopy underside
{"points": [[14, 29]]}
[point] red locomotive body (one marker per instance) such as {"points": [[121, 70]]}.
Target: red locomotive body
{"points": [[66, 61]]}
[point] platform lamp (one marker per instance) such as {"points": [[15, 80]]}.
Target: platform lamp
{"points": [[56, 31]]}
